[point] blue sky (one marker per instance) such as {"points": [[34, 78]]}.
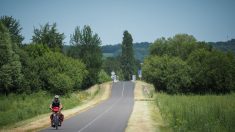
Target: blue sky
{"points": [[146, 20]]}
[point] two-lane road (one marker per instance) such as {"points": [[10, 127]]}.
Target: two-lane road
{"points": [[110, 116]]}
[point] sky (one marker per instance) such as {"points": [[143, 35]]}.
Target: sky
{"points": [[146, 20]]}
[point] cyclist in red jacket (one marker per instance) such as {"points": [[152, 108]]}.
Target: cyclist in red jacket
{"points": [[56, 103]]}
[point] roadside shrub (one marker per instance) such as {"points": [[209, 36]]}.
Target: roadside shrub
{"points": [[182, 65], [211, 71], [170, 74], [57, 68], [60, 84], [103, 77]]}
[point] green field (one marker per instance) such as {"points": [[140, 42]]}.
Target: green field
{"points": [[106, 55], [16, 108], [213, 113]]}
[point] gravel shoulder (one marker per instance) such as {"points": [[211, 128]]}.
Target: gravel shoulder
{"points": [[145, 115]]}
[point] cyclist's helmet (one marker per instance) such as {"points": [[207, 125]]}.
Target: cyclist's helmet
{"points": [[56, 96]]}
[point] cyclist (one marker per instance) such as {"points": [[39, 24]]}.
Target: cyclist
{"points": [[56, 103]]}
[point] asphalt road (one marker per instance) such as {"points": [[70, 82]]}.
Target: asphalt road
{"points": [[110, 116]]}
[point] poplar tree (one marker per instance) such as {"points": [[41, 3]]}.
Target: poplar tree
{"points": [[127, 57]]}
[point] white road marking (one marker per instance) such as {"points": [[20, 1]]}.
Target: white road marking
{"points": [[123, 87], [97, 117]]}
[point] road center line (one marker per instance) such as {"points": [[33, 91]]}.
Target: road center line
{"points": [[107, 110], [123, 87]]}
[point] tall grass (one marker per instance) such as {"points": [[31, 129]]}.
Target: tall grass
{"points": [[209, 113], [15, 108]]}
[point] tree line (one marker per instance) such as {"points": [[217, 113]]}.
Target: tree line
{"points": [[182, 64], [42, 64]]}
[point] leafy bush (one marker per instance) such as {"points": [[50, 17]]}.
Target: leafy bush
{"points": [[36, 50], [181, 64], [181, 45], [103, 77], [60, 84], [211, 71], [56, 69], [170, 74], [50, 71]]}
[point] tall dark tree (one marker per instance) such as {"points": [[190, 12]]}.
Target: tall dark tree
{"points": [[14, 29], [127, 60], [49, 35], [10, 65], [86, 46]]}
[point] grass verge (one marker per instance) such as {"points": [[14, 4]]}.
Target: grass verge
{"points": [[18, 110], [211, 113]]}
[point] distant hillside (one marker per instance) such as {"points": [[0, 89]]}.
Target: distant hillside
{"points": [[141, 49], [224, 46]]}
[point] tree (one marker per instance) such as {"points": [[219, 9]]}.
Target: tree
{"points": [[169, 74], [36, 50], [10, 66], [31, 68], [103, 77], [181, 45], [185, 65], [60, 84], [159, 47], [14, 29], [111, 64], [49, 35], [58, 73], [231, 57], [86, 46], [211, 71], [51, 71], [127, 57]]}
